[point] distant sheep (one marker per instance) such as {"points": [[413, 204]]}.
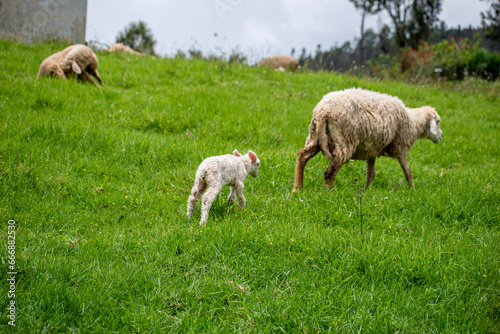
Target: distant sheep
{"points": [[280, 63], [76, 59], [363, 125], [217, 172], [119, 47]]}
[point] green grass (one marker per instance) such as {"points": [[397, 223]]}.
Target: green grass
{"points": [[97, 181]]}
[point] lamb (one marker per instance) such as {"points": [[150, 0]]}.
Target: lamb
{"points": [[363, 125], [216, 172], [75, 59], [119, 47], [281, 62]]}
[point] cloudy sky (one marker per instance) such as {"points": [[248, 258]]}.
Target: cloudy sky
{"points": [[258, 28]]}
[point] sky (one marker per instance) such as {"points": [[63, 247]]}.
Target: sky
{"points": [[257, 28]]}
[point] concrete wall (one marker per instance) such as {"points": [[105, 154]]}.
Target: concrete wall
{"points": [[38, 20]]}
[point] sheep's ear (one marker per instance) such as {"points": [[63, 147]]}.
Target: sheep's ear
{"points": [[252, 156], [433, 127], [76, 68], [236, 153]]}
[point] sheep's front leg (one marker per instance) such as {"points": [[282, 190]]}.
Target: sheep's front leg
{"points": [[207, 201], [232, 196], [85, 76], [96, 75], [239, 189], [406, 170], [370, 172], [303, 156]]}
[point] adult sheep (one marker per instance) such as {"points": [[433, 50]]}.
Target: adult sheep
{"points": [[76, 60], [363, 125], [280, 62], [120, 47]]}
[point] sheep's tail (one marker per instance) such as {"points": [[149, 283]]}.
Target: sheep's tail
{"points": [[323, 137]]}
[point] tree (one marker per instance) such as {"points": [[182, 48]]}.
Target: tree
{"points": [[424, 13], [412, 19], [370, 7], [137, 36], [491, 21]]}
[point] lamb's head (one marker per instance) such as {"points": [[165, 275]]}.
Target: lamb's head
{"points": [[251, 162], [434, 132]]}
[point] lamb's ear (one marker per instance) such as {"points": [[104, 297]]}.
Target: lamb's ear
{"points": [[433, 127], [76, 68], [252, 156], [236, 153]]}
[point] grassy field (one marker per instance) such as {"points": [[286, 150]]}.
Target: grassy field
{"points": [[97, 182]]}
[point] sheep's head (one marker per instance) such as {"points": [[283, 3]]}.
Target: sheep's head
{"points": [[68, 67], [434, 131], [55, 70], [253, 168]]}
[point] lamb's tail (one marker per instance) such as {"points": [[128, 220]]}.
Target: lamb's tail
{"points": [[197, 190], [323, 134]]}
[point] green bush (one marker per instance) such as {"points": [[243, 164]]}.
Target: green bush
{"points": [[485, 64], [451, 60]]}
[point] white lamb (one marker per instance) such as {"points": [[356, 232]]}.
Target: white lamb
{"points": [[217, 172]]}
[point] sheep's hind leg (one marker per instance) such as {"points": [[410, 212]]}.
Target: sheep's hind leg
{"points": [[232, 196], [303, 156], [196, 193], [207, 201], [370, 172], [331, 172], [406, 170]]}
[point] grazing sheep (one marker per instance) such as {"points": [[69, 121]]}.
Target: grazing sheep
{"points": [[119, 47], [363, 125], [216, 172], [76, 59], [281, 63]]}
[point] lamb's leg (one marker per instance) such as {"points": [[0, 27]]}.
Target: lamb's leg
{"points": [[207, 201], [232, 196], [370, 172], [406, 170], [196, 192], [303, 156], [239, 189]]}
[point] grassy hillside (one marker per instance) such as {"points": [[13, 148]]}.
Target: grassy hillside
{"points": [[97, 182]]}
